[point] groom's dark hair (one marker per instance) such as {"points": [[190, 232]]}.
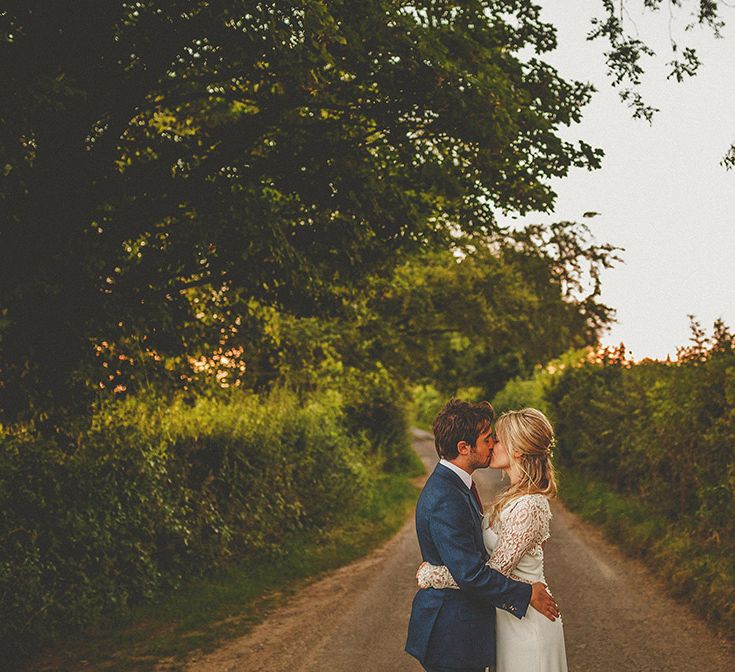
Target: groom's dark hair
{"points": [[460, 421]]}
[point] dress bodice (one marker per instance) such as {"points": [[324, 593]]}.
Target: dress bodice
{"points": [[515, 539]]}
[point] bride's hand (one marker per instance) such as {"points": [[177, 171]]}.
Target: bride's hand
{"points": [[421, 577]]}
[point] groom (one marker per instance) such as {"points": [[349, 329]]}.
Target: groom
{"points": [[454, 630]]}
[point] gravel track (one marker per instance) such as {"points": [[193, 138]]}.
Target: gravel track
{"points": [[617, 617]]}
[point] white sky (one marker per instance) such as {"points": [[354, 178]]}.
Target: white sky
{"points": [[662, 192]]}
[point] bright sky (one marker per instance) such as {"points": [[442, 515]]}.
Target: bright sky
{"points": [[662, 192]]}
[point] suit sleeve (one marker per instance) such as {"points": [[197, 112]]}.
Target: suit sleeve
{"points": [[451, 531]]}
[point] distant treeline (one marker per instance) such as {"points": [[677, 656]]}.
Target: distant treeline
{"points": [[648, 451]]}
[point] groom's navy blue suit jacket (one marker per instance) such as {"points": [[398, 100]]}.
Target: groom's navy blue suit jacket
{"points": [[456, 628]]}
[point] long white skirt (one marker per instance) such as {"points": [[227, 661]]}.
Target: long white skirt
{"points": [[529, 644]]}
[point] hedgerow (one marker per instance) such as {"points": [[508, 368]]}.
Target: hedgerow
{"points": [[148, 492], [647, 450]]}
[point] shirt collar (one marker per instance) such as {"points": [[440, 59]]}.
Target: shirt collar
{"points": [[466, 478]]}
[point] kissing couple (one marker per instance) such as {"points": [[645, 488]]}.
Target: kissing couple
{"points": [[482, 598]]}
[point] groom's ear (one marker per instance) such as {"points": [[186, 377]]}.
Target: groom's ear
{"points": [[463, 448]]}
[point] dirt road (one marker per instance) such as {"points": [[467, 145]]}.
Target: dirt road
{"points": [[616, 617]]}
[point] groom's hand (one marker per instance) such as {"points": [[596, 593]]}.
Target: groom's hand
{"points": [[542, 601]]}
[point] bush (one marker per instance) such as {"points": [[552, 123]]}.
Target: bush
{"points": [[426, 401], [375, 409], [523, 392], [648, 451], [520, 393], [149, 493], [662, 432]]}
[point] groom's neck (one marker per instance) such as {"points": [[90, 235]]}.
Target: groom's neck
{"points": [[462, 464]]}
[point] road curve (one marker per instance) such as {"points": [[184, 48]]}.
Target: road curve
{"points": [[617, 618]]}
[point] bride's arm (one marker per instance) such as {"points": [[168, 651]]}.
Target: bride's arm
{"points": [[526, 525], [435, 576]]}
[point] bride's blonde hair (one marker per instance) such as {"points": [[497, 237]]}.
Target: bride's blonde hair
{"points": [[529, 433]]}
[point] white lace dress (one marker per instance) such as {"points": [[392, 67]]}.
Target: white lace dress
{"points": [[515, 544]]}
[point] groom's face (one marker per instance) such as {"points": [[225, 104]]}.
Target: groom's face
{"points": [[482, 451]]}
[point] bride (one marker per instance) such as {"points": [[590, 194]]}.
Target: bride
{"points": [[514, 532]]}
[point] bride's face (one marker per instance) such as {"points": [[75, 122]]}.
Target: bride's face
{"points": [[500, 459]]}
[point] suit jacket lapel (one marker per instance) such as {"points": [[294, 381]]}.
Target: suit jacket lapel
{"points": [[473, 502], [442, 471], [455, 481]]}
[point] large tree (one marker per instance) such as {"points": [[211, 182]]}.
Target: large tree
{"points": [[279, 148], [475, 315]]}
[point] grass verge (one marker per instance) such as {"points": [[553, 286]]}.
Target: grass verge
{"points": [[208, 611], [696, 568]]}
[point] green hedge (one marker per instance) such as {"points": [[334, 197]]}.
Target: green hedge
{"points": [[148, 493], [664, 433], [648, 451], [376, 405], [427, 401], [521, 392]]}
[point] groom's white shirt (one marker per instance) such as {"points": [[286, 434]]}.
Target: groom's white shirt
{"points": [[466, 478]]}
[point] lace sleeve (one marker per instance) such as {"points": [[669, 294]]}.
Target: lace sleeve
{"points": [[435, 576], [525, 526]]}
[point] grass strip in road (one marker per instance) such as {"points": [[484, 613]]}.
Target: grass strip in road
{"points": [[696, 569], [208, 611]]}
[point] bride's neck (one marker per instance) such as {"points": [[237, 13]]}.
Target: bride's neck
{"points": [[514, 474]]}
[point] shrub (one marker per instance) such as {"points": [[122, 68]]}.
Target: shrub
{"points": [[426, 401], [660, 432], [375, 407], [151, 492], [522, 392]]}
